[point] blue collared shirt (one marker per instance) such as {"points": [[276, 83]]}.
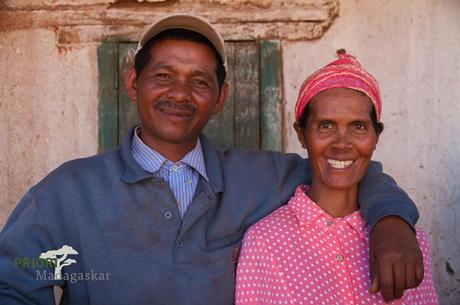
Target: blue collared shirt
{"points": [[182, 176]]}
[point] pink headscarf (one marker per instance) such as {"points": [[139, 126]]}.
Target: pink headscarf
{"points": [[345, 72]]}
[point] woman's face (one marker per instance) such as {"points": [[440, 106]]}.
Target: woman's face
{"points": [[339, 137]]}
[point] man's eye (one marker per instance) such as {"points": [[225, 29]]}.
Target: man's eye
{"points": [[163, 76], [200, 83]]}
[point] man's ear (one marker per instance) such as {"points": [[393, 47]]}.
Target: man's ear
{"points": [[299, 131], [131, 83], [222, 98]]}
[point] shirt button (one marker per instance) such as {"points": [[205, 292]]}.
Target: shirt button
{"points": [[339, 257], [180, 244], [189, 181], [174, 168], [329, 222], [168, 215]]}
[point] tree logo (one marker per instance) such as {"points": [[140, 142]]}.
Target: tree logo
{"points": [[59, 259]]}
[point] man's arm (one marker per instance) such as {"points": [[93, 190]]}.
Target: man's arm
{"points": [[396, 262], [380, 196], [21, 242]]}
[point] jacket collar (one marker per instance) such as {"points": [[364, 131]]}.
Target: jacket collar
{"points": [[152, 161], [213, 164], [134, 173]]}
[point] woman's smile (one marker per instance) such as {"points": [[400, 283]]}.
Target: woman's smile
{"points": [[339, 164]]}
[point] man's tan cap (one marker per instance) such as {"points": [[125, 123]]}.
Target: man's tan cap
{"points": [[187, 22]]}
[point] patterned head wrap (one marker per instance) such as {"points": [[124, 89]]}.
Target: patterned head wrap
{"points": [[345, 72]]}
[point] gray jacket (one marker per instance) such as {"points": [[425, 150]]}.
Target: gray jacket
{"points": [[133, 247]]}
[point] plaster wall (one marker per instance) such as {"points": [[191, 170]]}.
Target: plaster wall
{"points": [[48, 103], [413, 49]]}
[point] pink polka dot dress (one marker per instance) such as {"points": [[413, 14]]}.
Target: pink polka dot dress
{"points": [[299, 254]]}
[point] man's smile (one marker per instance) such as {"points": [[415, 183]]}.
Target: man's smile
{"points": [[182, 111]]}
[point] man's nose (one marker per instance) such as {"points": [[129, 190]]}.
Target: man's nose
{"points": [[180, 91]]}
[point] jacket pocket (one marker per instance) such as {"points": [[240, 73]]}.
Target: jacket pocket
{"points": [[225, 241]]}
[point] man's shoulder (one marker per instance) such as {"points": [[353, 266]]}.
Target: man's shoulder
{"points": [[254, 171], [259, 156], [92, 164], [244, 155], [107, 163], [256, 161]]}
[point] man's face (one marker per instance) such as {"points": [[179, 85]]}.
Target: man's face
{"points": [[176, 93]]}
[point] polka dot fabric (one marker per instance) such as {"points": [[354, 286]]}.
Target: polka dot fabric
{"points": [[299, 254]]}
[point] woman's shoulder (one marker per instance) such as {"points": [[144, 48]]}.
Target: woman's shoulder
{"points": [[272, 225]]}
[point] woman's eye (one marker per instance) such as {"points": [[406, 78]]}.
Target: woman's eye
{"points": [[360, 126], [325, 125]]}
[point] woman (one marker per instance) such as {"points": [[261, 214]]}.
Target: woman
{"points": [[314, 250]]}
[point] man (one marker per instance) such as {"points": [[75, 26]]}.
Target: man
{"points": [[160, 220]]}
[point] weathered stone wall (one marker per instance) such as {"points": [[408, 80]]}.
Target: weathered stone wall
{"points": [[49, 93], [94, 21]]}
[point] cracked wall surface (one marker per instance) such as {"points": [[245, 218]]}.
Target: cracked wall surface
{"points": [[49, 92]]}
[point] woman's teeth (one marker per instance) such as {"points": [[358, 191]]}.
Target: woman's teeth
{"points": [[339, 164]]}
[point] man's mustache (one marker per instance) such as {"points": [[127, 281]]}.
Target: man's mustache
{"points": [[174, 105]]}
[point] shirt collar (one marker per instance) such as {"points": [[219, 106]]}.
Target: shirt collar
{"points": [[151, 160], [307, 212]]}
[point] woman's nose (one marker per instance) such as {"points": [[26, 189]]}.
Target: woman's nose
{"points": [[342, 140]]}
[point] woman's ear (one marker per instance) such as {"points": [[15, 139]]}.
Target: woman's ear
{"points": [[131, 83], [300, 134], [376, 142], [379, 130]]}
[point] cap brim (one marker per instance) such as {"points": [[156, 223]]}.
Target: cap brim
{"points": [[187, 22]]}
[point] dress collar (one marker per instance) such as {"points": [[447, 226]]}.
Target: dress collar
{"points": [[307, 212]]}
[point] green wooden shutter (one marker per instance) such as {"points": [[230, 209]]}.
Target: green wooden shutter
{"points": [[107, 57], [270, 95], [127, 110], [221, 127]]}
